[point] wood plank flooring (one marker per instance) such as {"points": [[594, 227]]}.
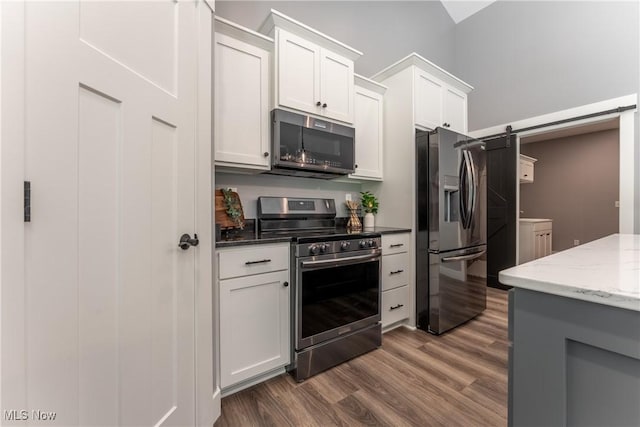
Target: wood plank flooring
{"points": [[414, 379]]}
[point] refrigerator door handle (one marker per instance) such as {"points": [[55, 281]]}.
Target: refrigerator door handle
{"points": [[463, 257], [462, 179], [469, 189], [473, 189]]}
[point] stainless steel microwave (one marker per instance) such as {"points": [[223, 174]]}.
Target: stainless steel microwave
{"points": [[310, 147]]}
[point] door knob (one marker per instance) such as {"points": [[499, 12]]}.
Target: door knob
{"points": [[186, 241]]}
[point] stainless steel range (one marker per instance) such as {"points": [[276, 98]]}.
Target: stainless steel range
{"points": [[336, 283]]}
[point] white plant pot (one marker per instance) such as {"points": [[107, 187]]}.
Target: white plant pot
{"points": [[369, 220]]}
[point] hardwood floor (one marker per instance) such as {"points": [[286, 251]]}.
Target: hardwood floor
{"points": [[414, 379]]}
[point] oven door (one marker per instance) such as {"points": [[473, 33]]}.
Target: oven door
{"points": [[336, 294]]}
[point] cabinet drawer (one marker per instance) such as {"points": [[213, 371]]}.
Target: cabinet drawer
{"points": [[248, 260], [542, 226], [395, 243], [395, 305], [395, 270]]}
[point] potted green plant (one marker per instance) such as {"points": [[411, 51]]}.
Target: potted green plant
{"points": [[369, 204]]}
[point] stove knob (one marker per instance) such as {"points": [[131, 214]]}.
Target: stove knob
{"points": [[362, 244], [372, 243], [313, 249], [323, 248], [345, 245]]}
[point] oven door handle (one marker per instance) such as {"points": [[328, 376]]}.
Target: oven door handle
{"points": [[339, 261]]}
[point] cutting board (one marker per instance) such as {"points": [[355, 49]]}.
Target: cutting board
{"points": [[222, 219]]}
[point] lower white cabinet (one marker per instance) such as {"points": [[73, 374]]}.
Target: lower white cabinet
{"points": [[396, 274], [395, 305], [536, 237], [255, 334]]}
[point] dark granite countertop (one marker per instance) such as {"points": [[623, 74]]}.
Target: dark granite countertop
{"points": [[250, 236]]}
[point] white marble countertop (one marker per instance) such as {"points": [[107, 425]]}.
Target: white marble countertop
{"points": [[605, 271]]}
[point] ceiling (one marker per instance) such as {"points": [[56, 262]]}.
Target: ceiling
{"points": [[461, 10]]}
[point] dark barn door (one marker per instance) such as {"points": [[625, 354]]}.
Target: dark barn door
{"points": [[501, 207]]}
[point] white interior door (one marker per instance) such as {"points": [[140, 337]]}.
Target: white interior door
{"points": [[110, 139]]}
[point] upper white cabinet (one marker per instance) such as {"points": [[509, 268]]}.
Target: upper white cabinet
{"points": [[313, 72], [368, 118], [526, 169], [428, 100], [241, 96], [454, 110], [439, 102]]}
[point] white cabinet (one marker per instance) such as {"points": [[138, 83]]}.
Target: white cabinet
{"points": [[438, 103], [368, 118], [254, 312], [241, 96], [313, 72], [313, 79], [428, 93], [454, 110], [536, 237], [395, 278], [526, 169]]}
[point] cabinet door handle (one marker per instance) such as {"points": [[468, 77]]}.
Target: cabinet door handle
{"points": [[262, 261], [324, 105], [266, 154], [395, 307], [318, 104], [285, 284], [396, 272], [396, 245]]}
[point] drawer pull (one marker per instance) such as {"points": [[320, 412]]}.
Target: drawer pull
{"points": [[396, 272], [262, 261], [396, 307], [397, 245]]}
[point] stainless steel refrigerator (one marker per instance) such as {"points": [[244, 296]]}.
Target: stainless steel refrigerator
{"points": [[451, 238]]}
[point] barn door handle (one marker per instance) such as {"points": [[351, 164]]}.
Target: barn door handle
{"points": [[186, 241]]}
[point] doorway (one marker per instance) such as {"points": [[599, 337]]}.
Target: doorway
{"points": [[572, 191], [622, 109]]}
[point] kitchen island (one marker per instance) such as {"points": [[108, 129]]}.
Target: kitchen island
{"points": [[574, 328]]}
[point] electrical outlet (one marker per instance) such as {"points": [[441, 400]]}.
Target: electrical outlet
{"points": [[616, 203], [347, 197], [576, 242]]}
